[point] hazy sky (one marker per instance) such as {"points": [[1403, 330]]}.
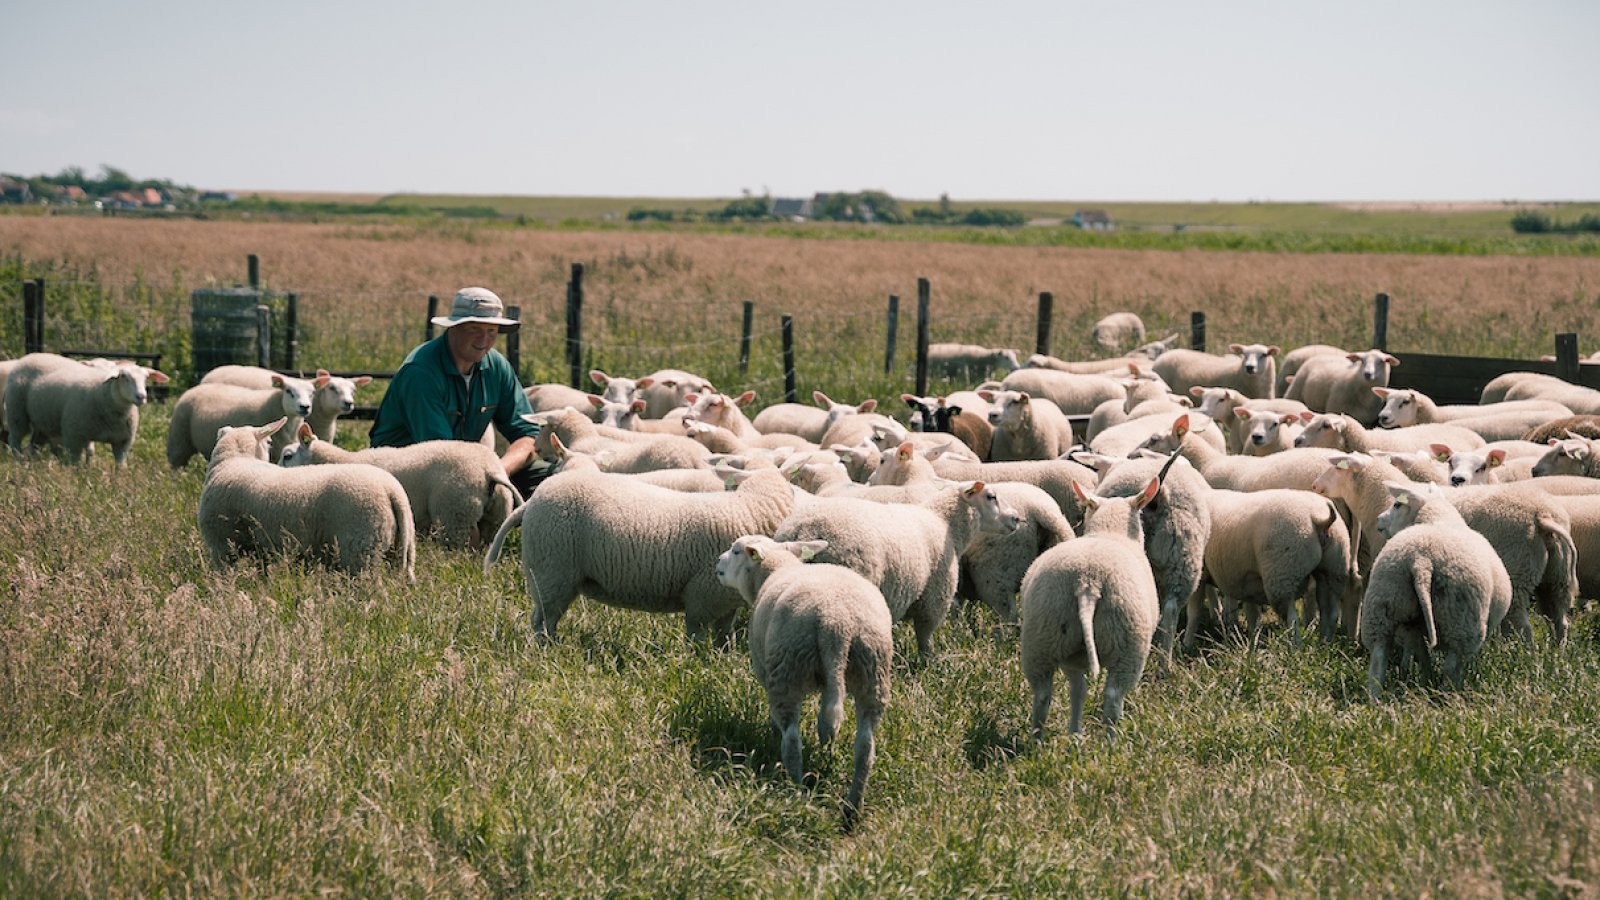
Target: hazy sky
{"points": [[1003, 99]]}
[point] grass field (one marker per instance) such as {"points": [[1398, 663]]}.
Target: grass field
{"points": [[281, 730]]}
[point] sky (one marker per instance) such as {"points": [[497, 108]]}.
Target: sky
{"points": [[1005, 100]]}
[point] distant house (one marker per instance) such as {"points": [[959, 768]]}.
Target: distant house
{"points": [[1092, 220], [151, 197], [72, 194], [791, 208], [125, 200]]}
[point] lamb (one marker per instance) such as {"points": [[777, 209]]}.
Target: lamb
{"points": [[613, 388], [1219, 405], [1482, 466], [1337, 431], [1053, 476], [1294, 468], [809, 422], [993, 566], [1075, 395], [1250, 371], [969, 361], [1567, 426], [331, 397], [1332, 384], [22, 374], [1572, 456], [1294, 359], [1026, 428], [206, 407], [1117, 329], [1581, 400], [74, 406], [1437, 585], [1495, 422], [852, 430], [457, 489], [668, 389], [638, 546], [1266, 432], [970, 429], [554, 397], [814, 628], [635, 452], [1090, 603], [350, 518], [909, 551]]}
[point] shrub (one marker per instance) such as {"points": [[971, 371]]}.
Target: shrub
{"points": [[1527, 221]]}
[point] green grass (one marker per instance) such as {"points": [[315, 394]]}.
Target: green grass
{"points": [[283, 730]]}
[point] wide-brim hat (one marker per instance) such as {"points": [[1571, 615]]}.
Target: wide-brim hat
{"points": [[476, 304]]}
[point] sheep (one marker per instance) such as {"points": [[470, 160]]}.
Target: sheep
{"points": [[75, 406], [969, 361], [1572, 456], [1075, 395], [1115, 365], [331, 395], [1249, 369], [1567, 426], [1437, 586], [1117, 329], [629, 544], [1265, 431], [970, 429], [814, 628], [1090, 603], [1482, 466], [993, 566], [6, 365], [204, 408], [616, 451], [1122, 440], [458, 489], [1219, 404], [1337, 431], [614, 388], [1177, 530], [349, 518], [1026, 428], [1053, 476], [1332, 384], [1294, 359], [1495, 390], [1581, 400], [1294, 468], [22, 374], [809, 422], [554, 397], [1495, 422], [668, 389], [892, 434], [852, 430], [910, 551], [1139, 389]]}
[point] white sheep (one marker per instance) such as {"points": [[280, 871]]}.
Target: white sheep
{"points": [[1053, 476], [1581, 400], [910, 551], [1337, 431], [73, 406], [1117, 329], [993, 566], [1087, 604], [6, 365], [1248, 369], [1144, 392], [1294, 468], [1265, 431], [331, 395], [723, 411], [1115, 365], [1495, 422], [1219, 405], [969, 361], [1437, 585], [204, 408], [1335, 384], [19, 381], [629, 544], [553, 397], [349, 517], [1482, 466], [668, 389], [1075, 395], [893, 434], [1291, 362], [1569, 456], [809, 422], [1123, 439], [615, 388], [617, 451], [814, 628], [1025, 427], [458, 489]]}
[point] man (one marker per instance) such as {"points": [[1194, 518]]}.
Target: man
{"points": [[457, 385]]}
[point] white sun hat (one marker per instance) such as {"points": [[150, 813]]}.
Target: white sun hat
{"points": [[476, 304]]}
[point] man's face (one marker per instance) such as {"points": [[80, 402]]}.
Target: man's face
{"points": [[471, 342]]}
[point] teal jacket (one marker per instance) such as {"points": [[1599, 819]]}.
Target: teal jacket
{"points": [[428, 400]]}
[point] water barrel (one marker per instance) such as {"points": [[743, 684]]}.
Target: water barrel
{"points": [[222, 323]]}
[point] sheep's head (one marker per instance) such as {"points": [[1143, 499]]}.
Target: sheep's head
{"points": [[298, 395], [740, 566], [994, 517], [1253, 357], [1566, 456], [1399, 407], [337, 395]]}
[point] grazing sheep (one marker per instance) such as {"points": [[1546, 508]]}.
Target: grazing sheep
{"points": [[1337, 431], [457, 489], [1294, 359], [1249, 369], [19, 381], [668, 389], [617, 451], [204, 408], [1117, 329], [638, 546], [1495, 422], [1087, 604], [1567, 426], [909, 551], [1026, 428], [1437, 586], [348, 517], [331, 395], [74, 406], [969, 361], [814, 628], [1332, 384], [809, 422], [1581, 400], [1075, 395]]}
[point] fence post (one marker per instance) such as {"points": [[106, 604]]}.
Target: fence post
{"points": [[744, 336], [790, 393], [893, 329], [264, 336], [1047, 302], [1380, 322], [924, 295], [253, 267], [291, 323], [32, 318], [514, 341], [1567, 356], [575, 325], [1197, 331], [433, 310]]}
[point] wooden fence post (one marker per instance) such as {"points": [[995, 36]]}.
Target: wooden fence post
{"points": [[253, 267], [790, 393], [514, 341], [264, 336], [433, 310], [291, 323], [32, 318], [924, 295], [1380, 322], [744, 336], [1197, 331], [1567, 356], [893, 331], [1047, 302], [575, 325]]}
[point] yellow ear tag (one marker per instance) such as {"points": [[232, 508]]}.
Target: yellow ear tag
{"points": [[807, 554]]}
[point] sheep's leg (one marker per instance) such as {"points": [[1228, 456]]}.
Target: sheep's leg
{"points": [[1376, 667], [1516, 621], [868, 713], [1078, 682], [1252, 621], [1454, 665], [1118, 684], [1289, 608], [1042, 684], [786, 718], [1196, 609], [1327, 609], [1167, 628], [831, 712]]}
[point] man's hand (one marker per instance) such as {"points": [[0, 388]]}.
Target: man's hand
{"points": [[518, 455]]}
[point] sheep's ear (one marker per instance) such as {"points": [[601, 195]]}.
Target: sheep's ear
{"points": [[866, 406], [270, 428], [1235, 348], [1146, 495], [1197, 392], [1579, 451], [1496, 458], [821, 399], [1381, 393], [904, 452], [596, 401], [744, 399], [1441, 452], [643, 383], [972, 488], [277, 380], [808, 550], [1022, 397], [954, 410], [1307, 416], [987, 395], [1273, 350], [599, 377], [752, 551], [1353, 357], [157, 376], [691, 397], [1084, 497], [1552, 441], [556, 446], [911, 400], [362, 380], [306, 434], [1181, 427], [1391, 360], [637, 406]]}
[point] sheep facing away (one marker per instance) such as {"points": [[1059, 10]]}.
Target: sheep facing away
{"points": [[814, 628], [349, 517], [1118, 329], [75, 406], [1087, 604]]}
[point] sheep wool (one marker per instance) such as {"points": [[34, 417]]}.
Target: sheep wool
{"points": [[75, 406], [205, 408]]}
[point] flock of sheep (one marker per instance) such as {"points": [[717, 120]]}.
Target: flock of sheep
{"points": [[1268, 480]]}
